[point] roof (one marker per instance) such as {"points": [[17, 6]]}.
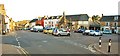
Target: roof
{"points": [[34, 20], [110, 18], [107, 18], [79, 17]]}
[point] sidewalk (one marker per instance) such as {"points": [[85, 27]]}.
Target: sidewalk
{"points": [[8, 34], [9, 49], [104, 48]]}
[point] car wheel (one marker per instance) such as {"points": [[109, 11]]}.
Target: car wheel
{"points": [[83, 34], [68, 34], [58, 34], [94, 35], [89, 34]]}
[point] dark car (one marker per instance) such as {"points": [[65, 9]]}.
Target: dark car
{"points": [[79, 30]]}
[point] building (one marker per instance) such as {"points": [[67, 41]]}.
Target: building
{"points": [[32, 23], [111, 22], [78, 21], [51, 22], [12, 25], [0, 24], [22, 24], [2, 18], [2, 9], [40, 21], [7, 24]]}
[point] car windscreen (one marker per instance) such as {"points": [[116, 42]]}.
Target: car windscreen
{"points": [[97, 31], [107, 30]]}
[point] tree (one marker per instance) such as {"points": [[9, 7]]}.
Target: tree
{"points": [[96, 18], [95, 21]]}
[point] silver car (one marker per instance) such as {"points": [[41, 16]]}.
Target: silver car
{"points": [[60, 32], [95, 33]]}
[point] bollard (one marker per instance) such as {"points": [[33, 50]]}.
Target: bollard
{"points": [[100, 42], [109, 45]]}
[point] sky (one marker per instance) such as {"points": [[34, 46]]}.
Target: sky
{"points": [[30, 9]]}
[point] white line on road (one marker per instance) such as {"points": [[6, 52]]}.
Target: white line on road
{"points": [[17, 39], [76, 44], [45, 41], [19, 44], [91, 49]]}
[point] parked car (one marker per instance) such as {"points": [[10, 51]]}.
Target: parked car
{"points": [[118, 32], [33, 30], [95, 33], [79, 30], [38, 28], [60, 32], [46, 30], [86, 32], [107, 32], [50, 31]]}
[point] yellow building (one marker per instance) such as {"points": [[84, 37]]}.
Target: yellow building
{"points": [[12, 24], [22, 24], [2, 9], [2, 21]]}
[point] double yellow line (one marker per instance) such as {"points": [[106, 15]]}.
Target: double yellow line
{"points": [[24, 52]]}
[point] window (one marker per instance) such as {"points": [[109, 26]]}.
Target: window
{"points": [[45, 22], [107, 23], [52, 22], [116, 18], [115, 24], [57, 22]]}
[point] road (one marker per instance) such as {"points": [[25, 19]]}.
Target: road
{"points": [[40, 43]]}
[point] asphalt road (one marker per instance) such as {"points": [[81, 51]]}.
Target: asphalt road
{"points": [[40, 43]]}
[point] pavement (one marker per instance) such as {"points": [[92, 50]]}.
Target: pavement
{"points": [[104, 48]]}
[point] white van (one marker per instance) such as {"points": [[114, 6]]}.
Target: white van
{"points": [[38, 28]]}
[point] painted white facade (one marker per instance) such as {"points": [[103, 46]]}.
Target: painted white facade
{"points": [[51, 22], [83, 23], [7, 24]]}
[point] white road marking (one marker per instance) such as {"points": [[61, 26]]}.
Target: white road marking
{"points": [[19, 44], [17, 39], [40, 46], [23, 50], [45, 41], [91, 49], [76, 44]]}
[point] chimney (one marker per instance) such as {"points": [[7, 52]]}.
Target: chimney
{"points": [[102, 15]]}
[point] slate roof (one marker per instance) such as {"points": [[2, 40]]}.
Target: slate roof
{"points": [[110, 18], [34, 20], [107, 18], [79, 17]]}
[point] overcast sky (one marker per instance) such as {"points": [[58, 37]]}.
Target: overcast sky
{"points": [[30, 9]]}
